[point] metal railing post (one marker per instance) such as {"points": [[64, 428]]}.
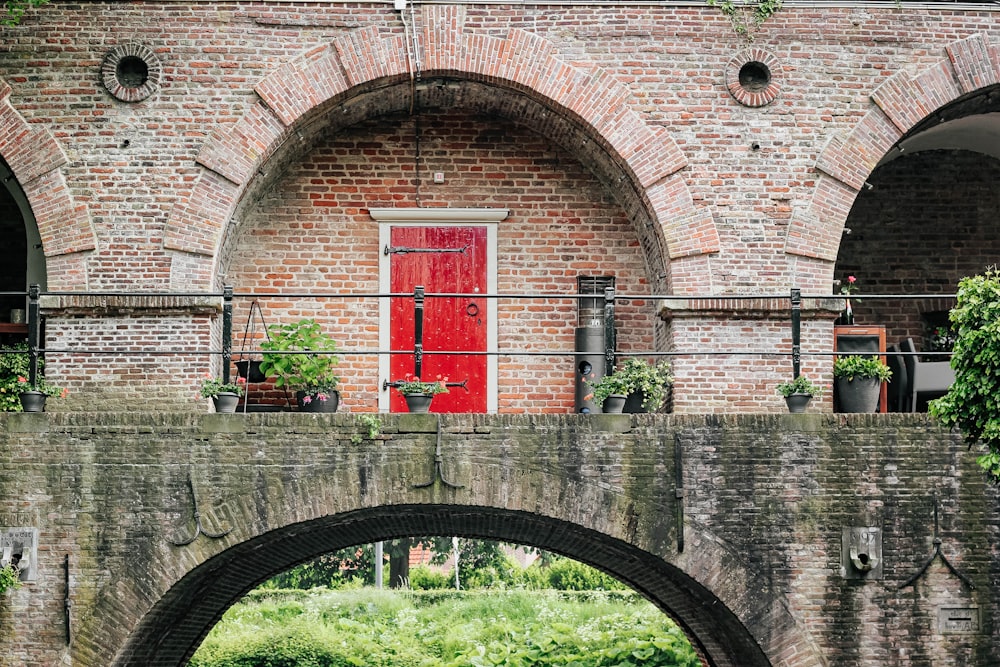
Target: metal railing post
{"points": [[418, 330], [796, 331], [609, 329], [227, 332], [34, 331]]}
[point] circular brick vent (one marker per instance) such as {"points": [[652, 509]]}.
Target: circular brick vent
{"points": [[752, 77], [131, 72]]}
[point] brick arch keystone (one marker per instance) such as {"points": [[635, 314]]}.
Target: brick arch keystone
{"points": [[35, 158], [521, 62], [899, 104]]}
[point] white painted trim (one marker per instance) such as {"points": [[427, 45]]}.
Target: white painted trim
{"points": [[440, 217]]}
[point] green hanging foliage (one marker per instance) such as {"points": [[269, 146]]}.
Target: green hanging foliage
{"points": [[13, 10], [747, 15], [973, 401]]}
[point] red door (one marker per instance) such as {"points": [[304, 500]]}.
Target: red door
{"points": [[443, 260]]}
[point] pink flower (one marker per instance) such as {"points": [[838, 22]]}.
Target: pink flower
{"points": [[307, 399], [22, 379], [321, 396], [851, 279]]}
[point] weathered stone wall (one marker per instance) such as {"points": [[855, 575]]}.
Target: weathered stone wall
{"points": [[757, 580]]}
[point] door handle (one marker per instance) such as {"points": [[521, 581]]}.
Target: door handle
{"points": [[472, 310]]}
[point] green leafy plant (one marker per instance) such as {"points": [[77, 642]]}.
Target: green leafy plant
{"points": [[747, 16], [372, 425], [13, 10], [10, 578], [800, 385], [14, 363], [213, 386], [972, 403], [653, 380], [40, 385], [301, 358], [858, 366], [411, 384]]}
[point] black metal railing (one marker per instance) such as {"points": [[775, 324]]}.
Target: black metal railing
{"points": [[610, 298]]}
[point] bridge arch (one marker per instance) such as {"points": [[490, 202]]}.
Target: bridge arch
{"points": [[170, 632], [596, 495], [901, 103], [365, 74]]}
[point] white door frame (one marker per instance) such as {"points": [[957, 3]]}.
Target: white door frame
{"points": [[439, 217]]}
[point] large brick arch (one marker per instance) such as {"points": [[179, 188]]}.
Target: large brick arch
{"points": [[35, 158], [173, 628], [520, 64], [901, 102], [579, 500]]}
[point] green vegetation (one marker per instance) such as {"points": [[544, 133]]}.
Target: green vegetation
{"points": [[13, 10], [973, 401], [324, 628], [747, 16], [14, 363], [9, 578], [863, 367]]}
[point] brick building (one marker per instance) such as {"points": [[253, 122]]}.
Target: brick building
{"points": [[159, 147]]}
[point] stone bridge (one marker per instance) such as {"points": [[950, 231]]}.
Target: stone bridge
{"points": [[144, 527]]}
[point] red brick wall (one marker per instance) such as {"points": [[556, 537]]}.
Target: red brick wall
{"points": [[743, 200], [315, 234]]}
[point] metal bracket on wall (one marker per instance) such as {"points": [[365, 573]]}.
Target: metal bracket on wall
{"points": [[198, 528], [438, 465], [937, 554]]}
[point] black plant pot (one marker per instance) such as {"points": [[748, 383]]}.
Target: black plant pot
{"points": [[249, 370]]}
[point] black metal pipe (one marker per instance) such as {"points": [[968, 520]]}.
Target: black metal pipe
{"points": [[609, 329], [418, 330], [227, 331], [796, 331], [34, 331]]}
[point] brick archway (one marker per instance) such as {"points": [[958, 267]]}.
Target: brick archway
{"points": [[36, 158], [647, 162], [155, 593], [901, 102], [174, 627]]}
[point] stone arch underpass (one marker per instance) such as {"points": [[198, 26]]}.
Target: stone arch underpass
{"points": [[150, 525]]}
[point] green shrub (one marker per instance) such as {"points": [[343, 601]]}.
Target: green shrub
{"points": [[566, 574], [972, 403], [323, 628], [14, 363], [423, 578]]}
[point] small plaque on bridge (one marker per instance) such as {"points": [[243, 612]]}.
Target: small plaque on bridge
{"points": [[19, 547], [958, 620]]}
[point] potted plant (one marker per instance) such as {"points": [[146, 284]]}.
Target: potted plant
{"points": [[639, 384], [798, 392], [225, 395], [33, 396], [301, 358], [419, 393], [858, 381]]}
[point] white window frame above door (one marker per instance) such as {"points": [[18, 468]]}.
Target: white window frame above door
{"points": [[439, 217]]}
